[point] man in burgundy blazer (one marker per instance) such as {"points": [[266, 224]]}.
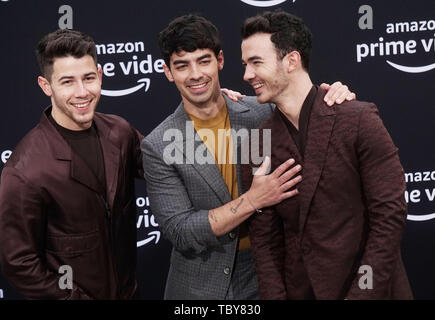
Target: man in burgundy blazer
{"points": [[67, 200], [339, 238]]}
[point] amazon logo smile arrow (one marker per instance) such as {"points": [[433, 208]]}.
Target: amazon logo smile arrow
{"points": [[152, 235], [145, 82], [266, 3], [412, 69]]}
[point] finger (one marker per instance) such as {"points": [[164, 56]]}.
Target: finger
{"points": [[264, 167], [283, 167], [343, 94], [289, 174], [330, 95], [340, 92], [289, 194], [351, 96], [290, 184], [238, 94], [325, 86]]}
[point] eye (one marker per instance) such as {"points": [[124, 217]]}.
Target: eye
{"points": [[181, 67], [66, 82], [205, 62]]}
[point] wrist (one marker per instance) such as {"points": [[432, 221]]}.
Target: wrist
{"points": [[252, 202]]}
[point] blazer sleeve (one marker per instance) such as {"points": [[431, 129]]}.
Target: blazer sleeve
{"points": [[267, 241], [137, 152], [383, 183], [189, 230], [22, 238]]}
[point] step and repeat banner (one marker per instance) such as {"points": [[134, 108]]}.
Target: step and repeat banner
{"points": [[383, 50]]}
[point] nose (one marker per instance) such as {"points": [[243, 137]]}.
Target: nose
{"points": [[195, 72], [80, 90], [249, 74]]}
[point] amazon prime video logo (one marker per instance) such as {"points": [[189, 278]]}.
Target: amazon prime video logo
{"points": [[264, 3], [420, 195], [126, 63], [147, 228], [405, 45]]}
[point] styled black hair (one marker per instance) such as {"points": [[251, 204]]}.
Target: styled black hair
{"points": [[188, 33], [63, 43], [288, 33]]}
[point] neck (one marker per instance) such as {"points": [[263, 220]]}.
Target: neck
{"points": [[63, 120], [206, 110], [291, 100]]}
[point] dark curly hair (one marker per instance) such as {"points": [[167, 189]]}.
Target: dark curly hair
{"points": [[288, 33], [63, 43], [188, 33]]}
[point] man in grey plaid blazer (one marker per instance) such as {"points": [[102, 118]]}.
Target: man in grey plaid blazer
{"points": [[189, 197]]}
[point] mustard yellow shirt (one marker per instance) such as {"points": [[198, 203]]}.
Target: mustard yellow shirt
{"points": [[216, 135]]}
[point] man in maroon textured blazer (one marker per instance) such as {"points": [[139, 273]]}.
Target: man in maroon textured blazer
{"points": [[67, 209], [339, 238]]}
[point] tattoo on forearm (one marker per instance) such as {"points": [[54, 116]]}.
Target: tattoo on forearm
{"points": [[234, 210], [212, 216]]}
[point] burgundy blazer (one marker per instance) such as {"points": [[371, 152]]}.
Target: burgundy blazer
{"points": [[53, 212], [352, 210]]}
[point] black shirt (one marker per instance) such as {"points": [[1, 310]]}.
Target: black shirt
{"points": [[86, 144], [300, 136], [299, 287]]}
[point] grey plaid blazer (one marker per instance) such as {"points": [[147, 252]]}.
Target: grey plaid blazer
{"points": [[182, 193]]}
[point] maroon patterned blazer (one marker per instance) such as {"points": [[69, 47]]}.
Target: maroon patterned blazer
{"points": [[352, 210]]}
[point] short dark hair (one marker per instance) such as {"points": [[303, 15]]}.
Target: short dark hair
{"points": [[188, 33], [63, 43], [288, 33]]}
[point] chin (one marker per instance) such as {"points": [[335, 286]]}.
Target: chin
{"points": [[85, 118], [261, 99]]}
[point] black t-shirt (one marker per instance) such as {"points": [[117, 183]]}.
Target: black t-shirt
{"points": [[86, 144], [299, 287], [300, 136]]}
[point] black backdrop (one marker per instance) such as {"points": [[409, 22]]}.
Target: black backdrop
{"points": [[348, 46]]}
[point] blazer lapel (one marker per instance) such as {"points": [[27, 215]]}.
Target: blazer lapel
{"points": [[319, 132], [283, 145], [81, 172], [62, 151], [111, 154], [238, 125], [191, 144]]}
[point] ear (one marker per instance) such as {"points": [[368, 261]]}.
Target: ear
{"points": [[100, 74], [168, 73], [45, 85], [220, 60], [292, 61]]}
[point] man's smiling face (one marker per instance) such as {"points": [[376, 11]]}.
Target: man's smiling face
{"points": [[196, 75], [74, 88]]}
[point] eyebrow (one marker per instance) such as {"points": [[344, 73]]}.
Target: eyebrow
{"points": [[65, 78], [204, 56], [92, 73], [71, 77], [253, 58]]}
